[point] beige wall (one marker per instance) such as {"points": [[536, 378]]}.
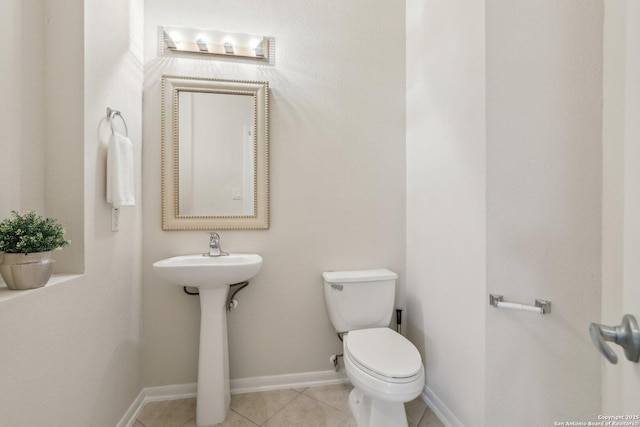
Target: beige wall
{"points": [[337, 128], [22, 108], [72, 350], [613, 163], [542, 187], [631, 296], [446, 180], [544, 200], [621, 159]]}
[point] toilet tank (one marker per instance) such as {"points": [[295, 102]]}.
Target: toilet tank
{"points": [[359, 299]]}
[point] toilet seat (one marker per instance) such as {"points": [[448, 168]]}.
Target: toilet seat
{"points": [[384, 354]]}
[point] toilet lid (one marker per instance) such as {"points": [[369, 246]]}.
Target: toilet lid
{"points": [[384, 352]]}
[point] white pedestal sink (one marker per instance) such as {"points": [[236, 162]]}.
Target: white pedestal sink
{"points": [[212, 276]]}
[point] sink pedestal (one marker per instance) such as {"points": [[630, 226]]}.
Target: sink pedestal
{"points": [[214, 394], [212, 276]]}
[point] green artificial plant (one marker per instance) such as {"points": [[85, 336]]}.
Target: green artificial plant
{"points": [[30, 233]]}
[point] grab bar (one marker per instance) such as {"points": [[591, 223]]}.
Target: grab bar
{"points": [[541, 307]]}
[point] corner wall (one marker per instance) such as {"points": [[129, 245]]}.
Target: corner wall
{"points": [[524, 222], [621, 201], [70, 353], [22, 117], [446, 179]]}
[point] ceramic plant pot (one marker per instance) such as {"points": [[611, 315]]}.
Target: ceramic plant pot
{"points": [[26, 271]]}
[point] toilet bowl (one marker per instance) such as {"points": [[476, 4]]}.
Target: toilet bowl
{"points": [[384, 367], [386, 371]]}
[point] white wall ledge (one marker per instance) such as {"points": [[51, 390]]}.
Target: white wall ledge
{"points": [[7, 294]]}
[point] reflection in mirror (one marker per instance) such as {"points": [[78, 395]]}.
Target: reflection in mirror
{"points": [[215, 154]]}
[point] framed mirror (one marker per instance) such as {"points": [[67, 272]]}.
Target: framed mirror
{"points": [[215, 154]]}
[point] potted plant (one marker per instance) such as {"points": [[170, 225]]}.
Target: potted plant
{"points": [[26, 242]]}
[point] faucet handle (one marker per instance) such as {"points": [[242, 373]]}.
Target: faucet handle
{"points": [[215, 249]]}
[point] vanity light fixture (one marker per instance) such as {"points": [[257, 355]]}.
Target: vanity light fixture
{"points": [[179, 39], [202, 45], [168, 40], [259, 49]]}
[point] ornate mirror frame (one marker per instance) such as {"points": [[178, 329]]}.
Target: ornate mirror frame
{"points": [[171, 217]]}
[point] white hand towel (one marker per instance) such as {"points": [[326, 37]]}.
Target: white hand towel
{"points": [[120, 171]]}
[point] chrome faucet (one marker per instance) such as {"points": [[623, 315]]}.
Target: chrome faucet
{"points": [[214, 246]]}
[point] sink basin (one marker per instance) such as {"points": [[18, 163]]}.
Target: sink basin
{"points": [[212, 276], [204, 271]]}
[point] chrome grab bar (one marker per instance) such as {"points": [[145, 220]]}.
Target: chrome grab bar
{"points": [[626, 335], [541, 307]]}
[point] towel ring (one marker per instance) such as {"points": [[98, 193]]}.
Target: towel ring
{"points": [[111, 114]]}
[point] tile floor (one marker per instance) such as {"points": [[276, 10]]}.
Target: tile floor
{"points": [[322, 406]]}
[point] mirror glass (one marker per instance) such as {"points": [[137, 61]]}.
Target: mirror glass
{"points": [[215, 154]]}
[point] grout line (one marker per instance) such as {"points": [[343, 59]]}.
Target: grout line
{"points": [[326, 403], [250, 421], [298, 394], [424, 411], [281, 409]]}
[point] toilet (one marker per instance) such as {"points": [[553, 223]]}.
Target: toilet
{"points": [[384, 367]]}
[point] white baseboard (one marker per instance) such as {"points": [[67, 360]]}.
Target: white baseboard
{"points": [[156, 394], [440, 409], [279, 382], [130, 416], [170, 392], [238, 386]]}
